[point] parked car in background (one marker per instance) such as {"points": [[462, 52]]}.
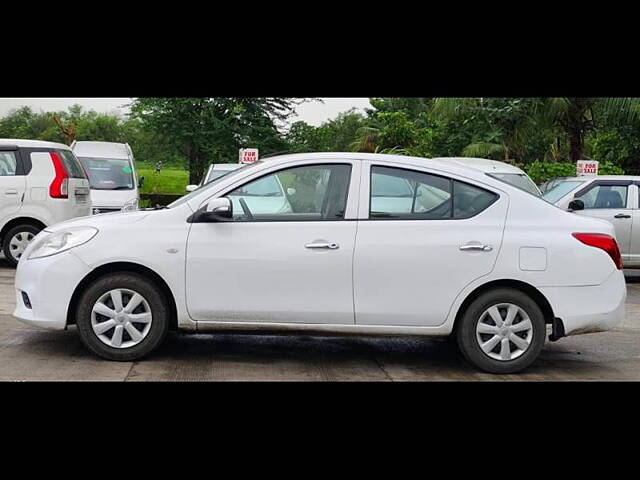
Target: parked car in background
{"points": [[112, 174], [499, 170], [473, 257], [41, 183], [215, 171], [552, 182], [613, 198]]}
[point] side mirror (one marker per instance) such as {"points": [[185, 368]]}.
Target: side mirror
{"points": [[576, 205], [191, 188], [291, 191], [216, 210], [140, 182]]}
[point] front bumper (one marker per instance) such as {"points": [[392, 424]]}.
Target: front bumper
{"points": [[589, 309], [49, 282]]}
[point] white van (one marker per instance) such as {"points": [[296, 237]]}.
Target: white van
{"points": [[112, 174], [41, 183]]}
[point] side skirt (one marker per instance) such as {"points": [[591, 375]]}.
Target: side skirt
{"points": [[321, 329]]}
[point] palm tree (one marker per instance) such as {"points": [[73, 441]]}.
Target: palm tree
{"points": [[570, 117], [506, 135], [576, 116]]}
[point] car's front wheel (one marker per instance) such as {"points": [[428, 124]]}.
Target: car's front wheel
{"points": [[502, 331], [122, 317], [16, 241]]}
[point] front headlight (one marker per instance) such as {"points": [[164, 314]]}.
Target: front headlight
{"points": [[58, 242], [130, 206]]}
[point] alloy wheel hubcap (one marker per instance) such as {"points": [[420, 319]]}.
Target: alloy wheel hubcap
{"points": [[504, 332], [121, 318], [19, 243]]}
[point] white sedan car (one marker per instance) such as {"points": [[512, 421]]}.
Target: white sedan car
{"points": [[469, 255]]}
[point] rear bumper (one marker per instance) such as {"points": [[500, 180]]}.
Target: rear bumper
{"points": [[589, 309], [49, 282]]}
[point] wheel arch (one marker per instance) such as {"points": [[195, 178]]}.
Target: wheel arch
{"points": [[14, 222], [124, 267], [535, 294]]}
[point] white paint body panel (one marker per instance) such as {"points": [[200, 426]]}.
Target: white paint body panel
{"points": [[387, 277]]}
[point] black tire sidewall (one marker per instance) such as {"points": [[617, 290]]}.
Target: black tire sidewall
{"points": [[137, 283], [466, 333], [6, 249]]}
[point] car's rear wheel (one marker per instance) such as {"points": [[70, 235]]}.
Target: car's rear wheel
{"points": [[502, 331], [16, 241], [122, 317]]}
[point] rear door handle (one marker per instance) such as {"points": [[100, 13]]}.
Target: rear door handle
{"points": [[322, 245], [476, 247], [622, 215]]}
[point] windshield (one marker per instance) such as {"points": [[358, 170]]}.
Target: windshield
{"points": [[216, 174], [560, 190], [519, 180], [213, 183], [108, 173]]}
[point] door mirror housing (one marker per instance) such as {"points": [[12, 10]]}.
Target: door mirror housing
{"points": [[216, 210], [140, 182], [576, 205], [191, 188], [291, 191]]}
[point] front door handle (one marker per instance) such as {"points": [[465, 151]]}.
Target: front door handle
{"points": [[622, 215], [476, 247], [322, 245], [11, 192]]}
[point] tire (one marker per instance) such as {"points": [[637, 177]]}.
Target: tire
{"points": [[20, 231], [91, 325], [478, 327]]}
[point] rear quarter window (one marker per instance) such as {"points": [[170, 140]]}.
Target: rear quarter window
{"points": [[71, 164]]}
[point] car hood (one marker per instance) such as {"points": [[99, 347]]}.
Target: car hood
{"points": [[102, 220], [111, 198]]}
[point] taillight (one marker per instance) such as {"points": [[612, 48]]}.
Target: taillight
{"points": [[604, 242], [59, 188]]}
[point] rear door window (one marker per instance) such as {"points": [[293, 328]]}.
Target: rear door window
{"points": [[410, 195]]}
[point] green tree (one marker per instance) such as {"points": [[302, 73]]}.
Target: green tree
{"points": [[213, 129], [520, 123], [334, 135]]}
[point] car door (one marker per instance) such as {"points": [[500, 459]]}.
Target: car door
{"points": [[412, 262], [633, 261], [610, 200], [12, 183], [284, 257]]}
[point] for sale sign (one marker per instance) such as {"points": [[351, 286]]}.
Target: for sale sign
{"points": [[587, 167], [248, 155]]}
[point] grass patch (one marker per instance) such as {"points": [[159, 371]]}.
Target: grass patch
{"points": [[170, 180]]}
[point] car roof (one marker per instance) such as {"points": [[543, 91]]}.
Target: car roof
{"points": [[445, 165], [32, 143], [101, 149], [603, 177], [483, 164], [226, 166]]}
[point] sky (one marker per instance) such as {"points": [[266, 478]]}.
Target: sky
{"points": [[313, 113]]}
